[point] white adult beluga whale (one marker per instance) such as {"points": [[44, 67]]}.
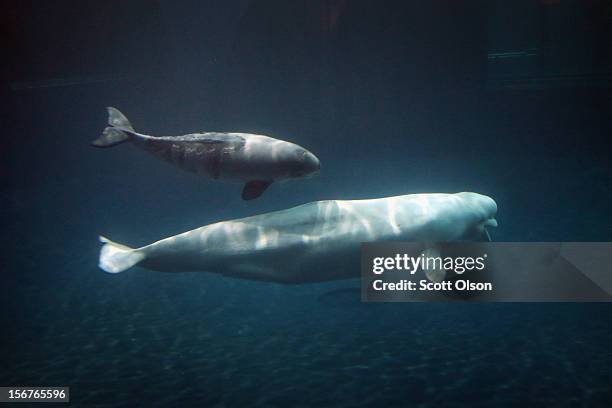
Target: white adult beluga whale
{"points": [[255, 160], [314, 242]]}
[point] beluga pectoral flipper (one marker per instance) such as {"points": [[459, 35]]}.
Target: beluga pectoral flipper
{"points": [[255, 160]]}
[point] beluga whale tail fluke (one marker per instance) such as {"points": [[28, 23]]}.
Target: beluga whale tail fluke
{"points": [[118, 131], [115, 258], [257, 161]]}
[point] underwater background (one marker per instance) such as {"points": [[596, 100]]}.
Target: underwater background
{"points": [[507, 99]]}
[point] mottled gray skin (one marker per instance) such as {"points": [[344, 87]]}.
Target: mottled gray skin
{"points": [[239, 157], [256, 160]]}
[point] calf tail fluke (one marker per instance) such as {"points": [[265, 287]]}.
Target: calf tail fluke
{"points": [[118, 119], [111, 137], [115, 258], [117, 132]]}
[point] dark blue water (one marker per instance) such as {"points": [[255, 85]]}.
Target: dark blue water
{"points": [[393, 100]]}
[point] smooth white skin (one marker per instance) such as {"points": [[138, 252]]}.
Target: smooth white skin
{"points": [[319, 241]]}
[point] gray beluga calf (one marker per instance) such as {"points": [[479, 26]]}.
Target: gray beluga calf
{"points": [[314, 242], [255, 160]]}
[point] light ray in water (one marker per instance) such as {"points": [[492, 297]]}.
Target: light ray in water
{"points": [[68, 81]]}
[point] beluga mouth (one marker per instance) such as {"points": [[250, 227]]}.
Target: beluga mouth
{"points": [[490, 222]]}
